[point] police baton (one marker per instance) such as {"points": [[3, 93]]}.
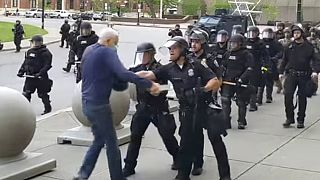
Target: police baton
{"points": [[234, 84], [31, 76]]}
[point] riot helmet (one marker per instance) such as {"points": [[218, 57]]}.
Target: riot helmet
{"points": [[253, 32], [297, 31], [176, 47], [18, 22], [36, 41], [280, 26], [85, 29], [268, 33], [237, 29], [74, 27], [236, 42], [66, 21], [313, 32], [222, 36], [199, 34], [144, 53]]}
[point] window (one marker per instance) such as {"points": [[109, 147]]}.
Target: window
{"points": [[14, 3], [71, 4], [33, 3]]}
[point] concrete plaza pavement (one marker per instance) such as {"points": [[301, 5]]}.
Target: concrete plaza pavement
{"points": [[263, 151]]}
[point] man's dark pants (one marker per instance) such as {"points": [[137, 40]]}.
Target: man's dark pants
{"points": [[104, 135]]}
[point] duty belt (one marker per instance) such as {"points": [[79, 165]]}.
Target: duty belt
{"points": [[293, 72]]}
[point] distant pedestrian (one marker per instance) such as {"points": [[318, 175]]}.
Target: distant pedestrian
{"points": [[101, 70], [175, 32], [64, 31], [18, 33]]}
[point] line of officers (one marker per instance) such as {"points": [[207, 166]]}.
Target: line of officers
{"points": [[241, 68], [246, 65]]}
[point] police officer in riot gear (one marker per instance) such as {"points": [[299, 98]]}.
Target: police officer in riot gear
{"points": [[72, 39], [150, 109], [261, 58], [185, 76], [238, 68], [298, 68], [222, 45], [271, 75], [237, 29], [199, 41], [315, 41], [36, 65], [87, 37], [18, 32], [280, 31], [64, 31]]}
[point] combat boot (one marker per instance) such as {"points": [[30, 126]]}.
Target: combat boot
{"points": [[259, 96], [269, 100], [128, 171], [279, 86], [287, 123], [196, 171], [47, 109], [67, 69], [241, 125], [46, 101]]}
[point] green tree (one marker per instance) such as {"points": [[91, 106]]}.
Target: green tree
{"points": [[191, 7], [270, 11], [154, 5]]}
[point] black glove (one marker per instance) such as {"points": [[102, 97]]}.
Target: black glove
{"points": [[239, 83], [38, 75], [20, 74]]}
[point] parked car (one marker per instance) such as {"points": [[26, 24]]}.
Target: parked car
{"points": [[84, 16], [60, 14], [35, 13], [101, 16]]}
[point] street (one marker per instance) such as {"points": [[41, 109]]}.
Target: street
{"points": [[64, 83]]}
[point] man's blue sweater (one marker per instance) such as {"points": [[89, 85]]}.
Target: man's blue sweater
{"points": [[100, 67]]}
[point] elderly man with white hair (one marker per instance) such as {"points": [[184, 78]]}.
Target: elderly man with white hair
{"points": [[101, 72]]}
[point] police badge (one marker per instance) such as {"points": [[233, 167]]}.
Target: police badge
{"points": [[190, 72]]}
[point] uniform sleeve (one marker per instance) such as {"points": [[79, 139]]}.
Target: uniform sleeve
{"points": [[315, 62], [215, 67], [47, 58], [284, 61], [113, 63], [162, 72], [247, 74], [266, 61], [204, 72]]}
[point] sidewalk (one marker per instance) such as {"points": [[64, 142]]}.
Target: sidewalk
{"points": [[53, 36], [263, 151]]}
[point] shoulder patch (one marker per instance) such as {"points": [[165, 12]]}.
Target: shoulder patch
{"points": [[204, 63]]}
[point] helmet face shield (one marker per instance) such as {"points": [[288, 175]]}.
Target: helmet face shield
{"points": [[252, 34], [267, 35], [138, 58], [85, 32], [221, 38], [233, 46]]}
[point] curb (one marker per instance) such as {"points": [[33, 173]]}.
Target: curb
{"points": [[26, 47]]}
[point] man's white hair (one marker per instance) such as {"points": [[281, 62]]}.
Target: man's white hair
{"points": [[107, 33]]}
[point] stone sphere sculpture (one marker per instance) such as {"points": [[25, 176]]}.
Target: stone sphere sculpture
{"points": [[119, 101], [17, 122]]}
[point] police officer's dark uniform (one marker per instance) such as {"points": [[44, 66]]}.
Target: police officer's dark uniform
{"points": [[261, 58], [204, 99], [87, 37], [37, 63], [64, 31], [315, 41], [18, 32], [221, 47], [238, 68], [296, 66], [280, 31], [175, 32], [72, 39], [150, 109], [271, 74]]}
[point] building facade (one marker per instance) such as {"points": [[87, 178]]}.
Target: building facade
{"points": [[54, 4]]}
